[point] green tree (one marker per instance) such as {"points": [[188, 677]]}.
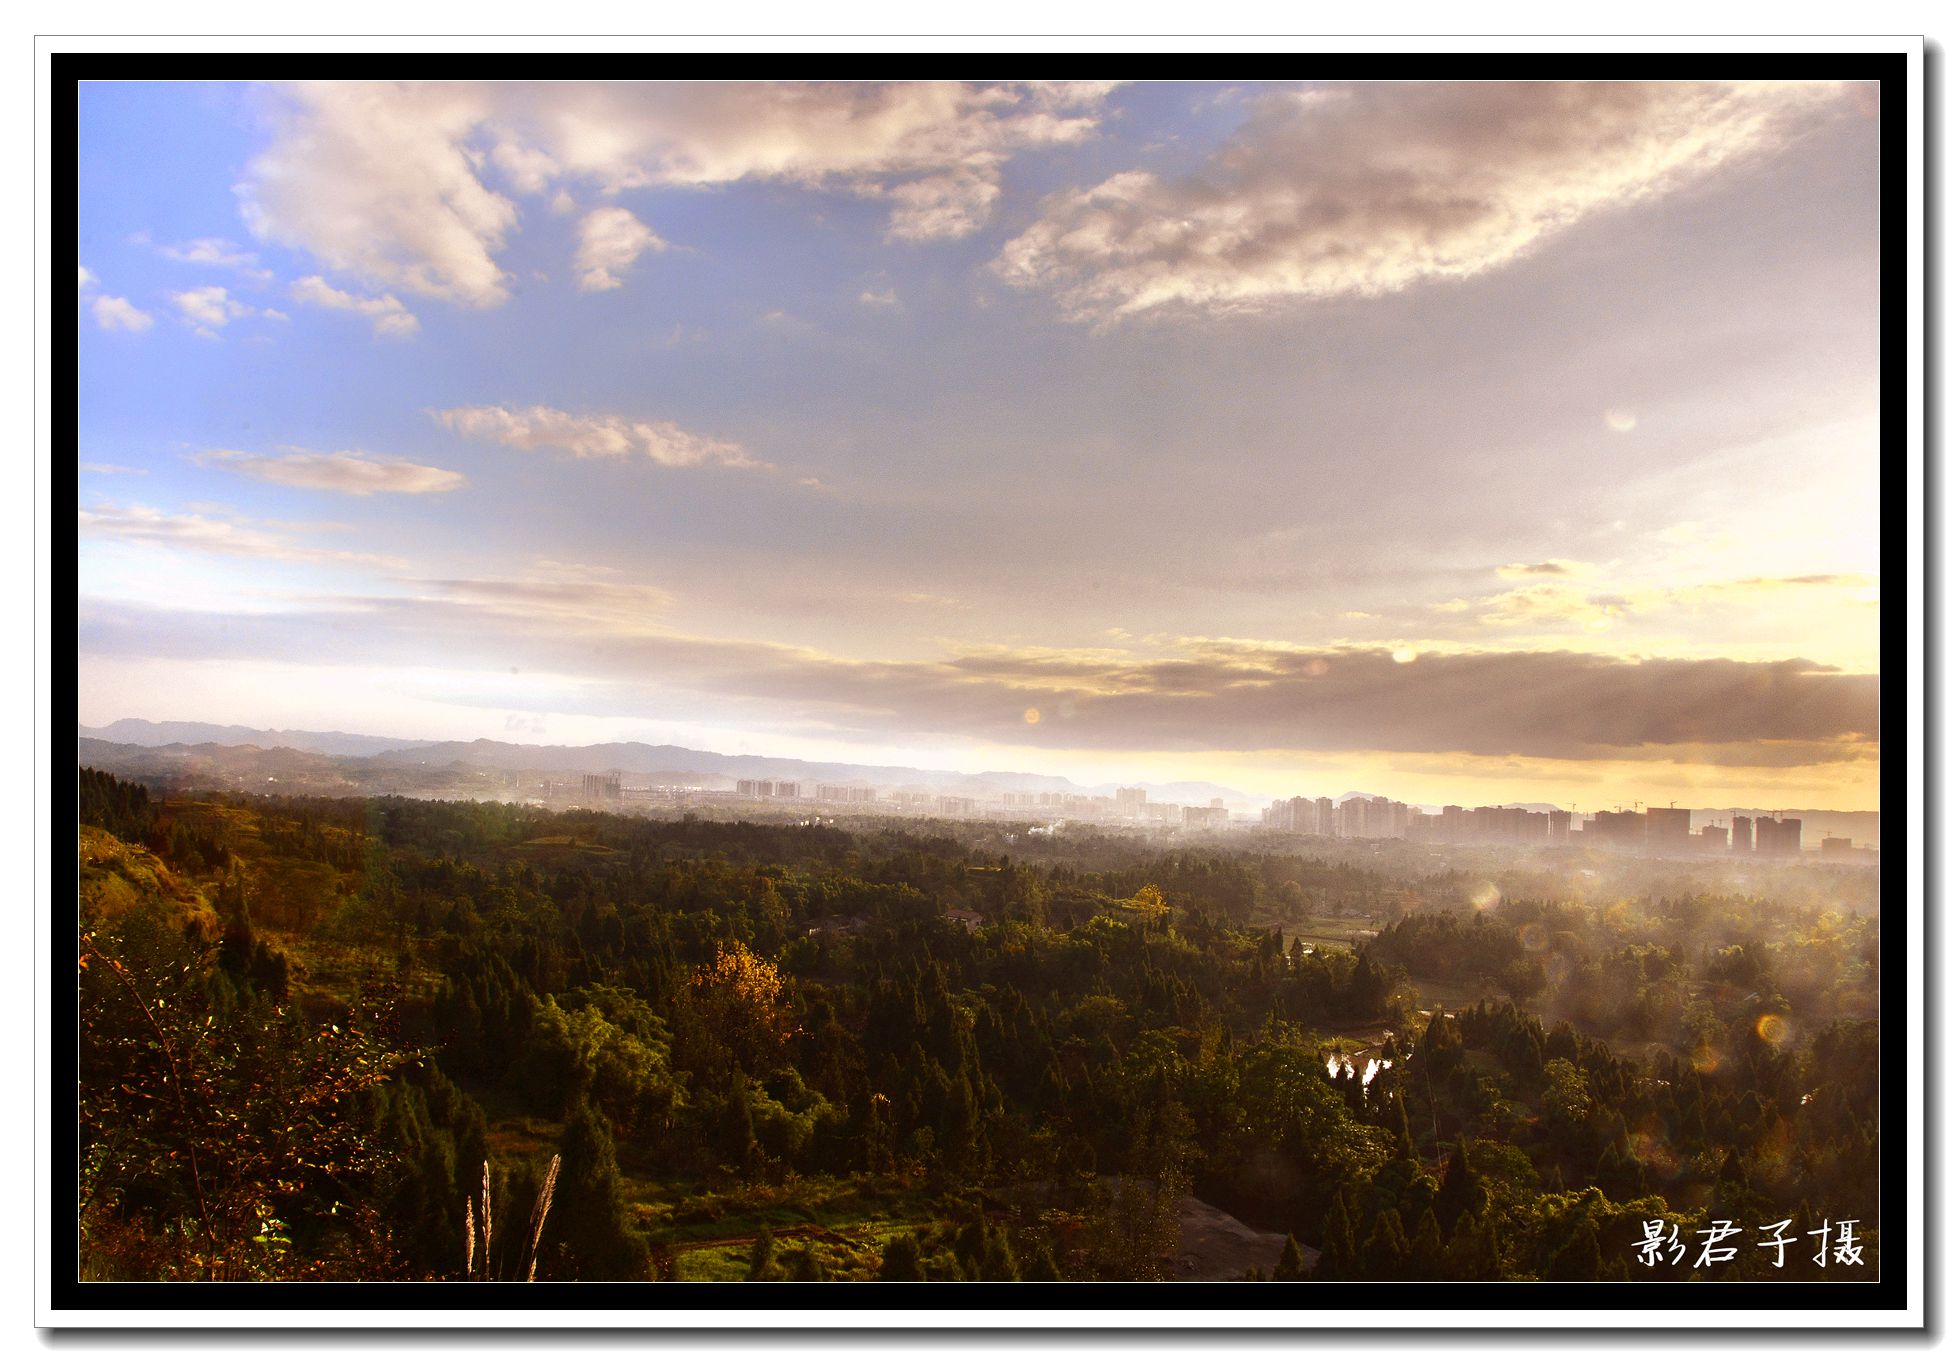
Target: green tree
{"points": [[761, 1258], [900, 1262], [591, 1227], [1291, 1262]]}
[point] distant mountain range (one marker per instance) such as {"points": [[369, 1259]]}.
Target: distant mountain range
{"points": [[180, 751], [149, 733]]}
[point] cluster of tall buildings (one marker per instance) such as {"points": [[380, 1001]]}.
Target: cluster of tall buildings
{"points": [[1129, 803], [1665, 831], [1671, 830], [769, 790], [1375, 816], [1660, 830], [1358, 816]]}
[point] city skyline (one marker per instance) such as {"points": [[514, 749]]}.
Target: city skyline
{"points": [[1477, 440]]}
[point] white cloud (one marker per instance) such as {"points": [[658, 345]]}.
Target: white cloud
{"points": [[209, 308], [1372, 188], [204, 534], [555, 599], [119, 314], [1550, 567], [953, 204], [595, 436], [878, 298], [85, 276], [349, 471], [390, 318], [528, 170], [217, 251], [377, 180], [609, 240], [386, 181]]}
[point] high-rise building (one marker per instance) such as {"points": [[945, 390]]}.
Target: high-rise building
{"points": [[1300, 816], [604, 787], [1743, 833], [1778, 837], [1668, 827], [1624, 827]]}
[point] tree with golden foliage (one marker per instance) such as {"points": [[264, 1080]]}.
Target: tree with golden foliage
{"points": [[744, 1001]]}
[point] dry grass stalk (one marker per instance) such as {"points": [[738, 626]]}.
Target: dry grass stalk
{"points": [[489, 1269], [539, 1212]]}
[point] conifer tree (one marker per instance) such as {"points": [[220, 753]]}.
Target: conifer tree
{"points": [[761, 1258], [1338, 1257], [900, 1262], [591, 1225], [1384, 1256], [1425, 1253]]}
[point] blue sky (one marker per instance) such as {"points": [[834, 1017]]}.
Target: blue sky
{"points": [[1466, 441]]}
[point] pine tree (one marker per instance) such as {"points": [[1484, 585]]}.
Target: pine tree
{"points": [[1471, 1254], [1396, 1124], [1425, 1254], [1462, 1192], [761, 1257], [900, 1262], [591, 1226], [1291, 1262], [1338, 1258], [1384, 1256]]}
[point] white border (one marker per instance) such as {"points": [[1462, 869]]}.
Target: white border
{"points": [[1314, 1316]]}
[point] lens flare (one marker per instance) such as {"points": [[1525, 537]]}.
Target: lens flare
{"points": [[1032, 715]]}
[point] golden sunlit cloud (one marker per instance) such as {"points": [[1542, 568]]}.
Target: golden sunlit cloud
{"points": [[1620, 420]]}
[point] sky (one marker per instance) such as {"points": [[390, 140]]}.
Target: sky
{"points": [[1459, 442]]}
